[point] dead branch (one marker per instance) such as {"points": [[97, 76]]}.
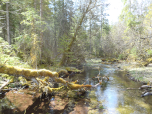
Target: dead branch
{"points": [[5, 84]]}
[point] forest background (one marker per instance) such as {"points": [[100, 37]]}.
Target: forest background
{"points": [[66, 32]]}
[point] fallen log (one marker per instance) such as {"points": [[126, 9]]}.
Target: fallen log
{"points": [[30, 73]]}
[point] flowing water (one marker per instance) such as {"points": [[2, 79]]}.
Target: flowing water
{"points": [[112, 97]]}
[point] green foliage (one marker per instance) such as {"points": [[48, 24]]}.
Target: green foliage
{"points": [[121, 57], [30, 16], [130, 16], [8, 55], [28, 42], [148, 20], [45, 37], [106, 29], [124, 1], [5, 0], [149, 52], [64, 42], [133, 51], [101, 107]]}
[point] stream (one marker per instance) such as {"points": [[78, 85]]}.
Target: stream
{"points": [[110, 98], [114, 96]]}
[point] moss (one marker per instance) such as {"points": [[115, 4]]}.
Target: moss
{"points": [[71, 94], [23, 81], [11, 70], [4, 75], [101, 106], [149, 60], [8, 77], [125, 110], [93, 103], [93, 111], [109, 60], [29, 73], [50, 90], [92, 94], [73, 69], [60, 80]]}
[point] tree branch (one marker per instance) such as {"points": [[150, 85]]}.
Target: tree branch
{"points": [[5, 84]]}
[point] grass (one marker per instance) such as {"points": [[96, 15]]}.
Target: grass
{"points": [[142, 74]]}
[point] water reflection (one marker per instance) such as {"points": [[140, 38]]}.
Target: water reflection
{"points": [[114, 96]]}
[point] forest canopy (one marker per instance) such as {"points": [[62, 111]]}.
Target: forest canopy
{"points": [[65, 32]]}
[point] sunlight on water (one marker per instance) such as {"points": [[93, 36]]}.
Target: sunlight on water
{"points": [[114, 96]]}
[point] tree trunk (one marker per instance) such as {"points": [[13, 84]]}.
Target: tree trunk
{"points": [[41, 32], [7, 20], [90, 38], [100, 51], [66, 51]]}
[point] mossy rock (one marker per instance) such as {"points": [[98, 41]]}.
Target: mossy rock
{"points": [[94, 103], [8, 77], [144, 63], [73, 69], [149, 60], [92, 95], [62, 72], [109, 60], [131, 58], [4, 75], [93, 111], [103, 60], [72, 94], [113, 60]]}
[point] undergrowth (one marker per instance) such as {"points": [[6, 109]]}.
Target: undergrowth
{"points": [[9, 57]]}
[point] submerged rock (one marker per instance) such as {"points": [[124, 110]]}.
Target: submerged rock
{"points": [[145, 86], [146, 94]]}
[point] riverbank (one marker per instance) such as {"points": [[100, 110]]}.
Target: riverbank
{"points": [[136, 71]]}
